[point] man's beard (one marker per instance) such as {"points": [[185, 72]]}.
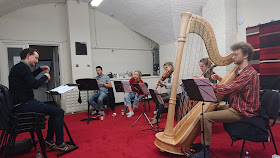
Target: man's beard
{"points": [[238, 62]]}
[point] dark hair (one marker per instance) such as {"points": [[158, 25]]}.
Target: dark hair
{"points": [[26, 51], [245, 47], [206, 62], [98, 67]]}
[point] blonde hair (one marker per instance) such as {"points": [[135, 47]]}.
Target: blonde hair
{"points": [[139, 73], [169, 64]]}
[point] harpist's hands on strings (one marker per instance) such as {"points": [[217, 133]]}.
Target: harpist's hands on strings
{"points": [[216, 77]]}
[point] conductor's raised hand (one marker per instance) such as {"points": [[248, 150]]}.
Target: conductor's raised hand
{"points": [[216, 77], [45, 68], [48, 75]]}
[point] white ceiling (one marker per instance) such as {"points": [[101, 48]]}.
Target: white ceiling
{"points": [[158, 20]]}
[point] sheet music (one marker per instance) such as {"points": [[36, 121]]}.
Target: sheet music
{"points": [[126, 86], [144, 88], [206, 90], [62, 89]]}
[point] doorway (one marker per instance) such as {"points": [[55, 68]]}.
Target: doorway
{"points": [[48, 55]]}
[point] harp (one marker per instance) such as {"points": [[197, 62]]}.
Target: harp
{"points": [[174, 139]]}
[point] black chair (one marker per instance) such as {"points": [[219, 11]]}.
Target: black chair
{"points": [[255, 129], [109, 100], [144, 99], [15, 123]]}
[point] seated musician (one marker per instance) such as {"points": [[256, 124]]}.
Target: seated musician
{"points": [[207, 69], [244, 93], [104, 83], [134, 95], [166, 81], [22, 82]]}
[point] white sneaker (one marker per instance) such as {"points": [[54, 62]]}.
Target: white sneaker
{"points": [[130, 114]]}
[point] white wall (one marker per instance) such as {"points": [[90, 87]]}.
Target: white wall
{"points": [[223, 21], [39, 24], [79, 31], [117, 48], [256, 12], [63, 24], [45, 22]]}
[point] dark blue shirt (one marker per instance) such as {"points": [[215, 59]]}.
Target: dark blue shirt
{"points": [[22, 82]]}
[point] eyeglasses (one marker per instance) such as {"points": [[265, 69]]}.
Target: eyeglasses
{"points": [[234, 55]]}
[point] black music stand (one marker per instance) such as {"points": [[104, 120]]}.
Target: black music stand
{"points": [[200, 89], [158, 101], [122, 86], [142, 90], [71, 141], [87, 84]]}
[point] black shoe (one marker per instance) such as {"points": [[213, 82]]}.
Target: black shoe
{"points": [[201, 153], [197, 147]]}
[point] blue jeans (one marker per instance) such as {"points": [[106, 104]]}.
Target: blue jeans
{"points": [[130, 96], [99, 95], [56, 119]]}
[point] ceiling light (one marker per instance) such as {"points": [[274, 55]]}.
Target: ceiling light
{"points": [[95, 3]]}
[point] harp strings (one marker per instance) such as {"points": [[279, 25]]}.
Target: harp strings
{"points": [[193, 53]]}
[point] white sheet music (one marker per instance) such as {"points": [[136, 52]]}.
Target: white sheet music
{"points": [[62, 89]]}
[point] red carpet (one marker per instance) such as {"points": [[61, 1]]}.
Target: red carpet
{"points": [[104, 139]]}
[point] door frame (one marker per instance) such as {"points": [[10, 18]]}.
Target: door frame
{"points": [[5, 44]]}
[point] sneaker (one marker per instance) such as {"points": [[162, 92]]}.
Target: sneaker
{"points": [[130, 114], [95, 112], [102, 112], [49, 144], [63, 147]]}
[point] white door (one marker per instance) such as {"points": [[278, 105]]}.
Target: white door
{"points": [[10, 55]]}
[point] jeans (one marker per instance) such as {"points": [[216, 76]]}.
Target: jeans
{"points": [[56, 119], [99, 95], [130, 96]]}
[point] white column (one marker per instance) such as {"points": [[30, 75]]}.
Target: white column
{"points": [[79, 31]]}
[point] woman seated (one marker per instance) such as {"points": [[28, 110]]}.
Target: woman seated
{"points": [[166, 81], [207, 69], [134, 94]]}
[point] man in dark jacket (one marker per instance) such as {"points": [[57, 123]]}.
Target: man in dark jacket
{"points": [[22, 82]]}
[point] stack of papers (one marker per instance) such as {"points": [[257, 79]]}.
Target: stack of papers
{"points": [[62, 89]]}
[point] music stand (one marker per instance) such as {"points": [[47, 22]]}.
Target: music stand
{"points": [[122, 86], [158, 101], [142, 90], [87, 84], [71, 141], [200, 89]]}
